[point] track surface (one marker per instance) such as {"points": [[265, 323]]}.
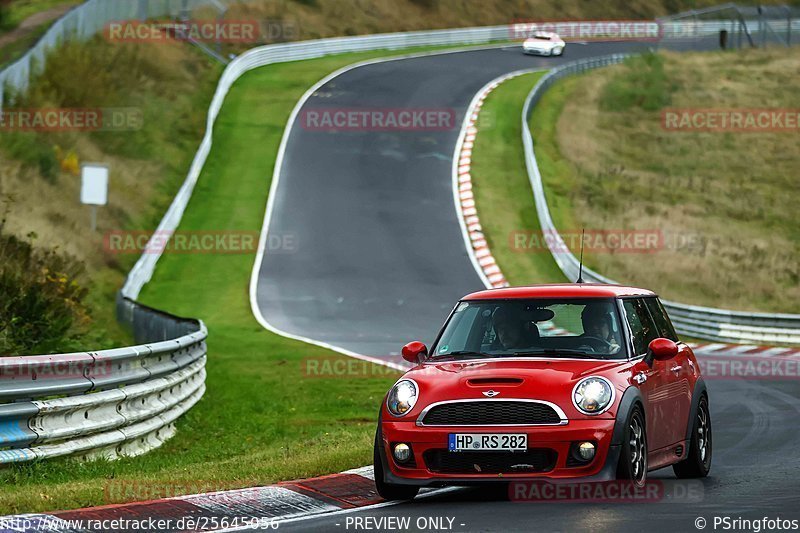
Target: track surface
{"points": [[381, 260], [754, 474]]}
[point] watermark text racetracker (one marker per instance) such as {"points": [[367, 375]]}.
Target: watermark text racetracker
{"points": [[196, 242], [71, 119], [770, 368], [378, 119], [206, 31], [61, 366], [343, 367], [588, 30], [615, 491], [610, 241], [702, 120], [126, 490]]}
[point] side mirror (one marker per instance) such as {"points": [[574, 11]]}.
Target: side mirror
{"points": [[415, 352], [660, 349]]}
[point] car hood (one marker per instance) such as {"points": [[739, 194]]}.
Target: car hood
{"points": [[531, 378]]}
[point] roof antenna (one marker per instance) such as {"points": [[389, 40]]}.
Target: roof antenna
{"points": [[580, 269]]}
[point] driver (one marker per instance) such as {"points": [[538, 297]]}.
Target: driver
{"points": [[512, 330], [598, 322]]}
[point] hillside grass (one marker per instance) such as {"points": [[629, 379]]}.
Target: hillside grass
{"points": [[724, 202], [19, 10], [31, 19], [312, 19], [170, 87]]}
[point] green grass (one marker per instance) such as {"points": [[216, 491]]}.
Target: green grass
{"points": [[557, 173], [502, 190], [16, 49], [17, 12], [723, 201], [261, 420]]}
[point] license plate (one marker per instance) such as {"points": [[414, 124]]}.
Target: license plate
{"points": [[501, 442]]}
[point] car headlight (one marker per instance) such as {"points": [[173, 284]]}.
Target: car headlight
{"points": [[402, 397], [593, 395]]}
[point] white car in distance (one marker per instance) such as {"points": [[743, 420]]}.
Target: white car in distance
{"points": [[544, 43]]}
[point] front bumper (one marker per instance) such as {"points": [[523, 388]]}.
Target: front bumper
{"points": [[556, 438], [538, 51]]}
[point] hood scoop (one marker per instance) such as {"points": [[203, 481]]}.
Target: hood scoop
{"points": [[495, 382]]}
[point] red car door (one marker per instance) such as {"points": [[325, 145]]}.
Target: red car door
{"points": [[653, 381], [679, 375]]}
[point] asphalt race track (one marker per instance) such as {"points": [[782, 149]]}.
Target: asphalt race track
{"points": [[754, 475], [377, 256], [380, 261]]}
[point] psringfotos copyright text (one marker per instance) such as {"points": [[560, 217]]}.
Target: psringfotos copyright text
{"points": [[756, 525]]}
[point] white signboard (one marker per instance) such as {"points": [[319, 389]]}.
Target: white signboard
{"points": [[94, 184]]}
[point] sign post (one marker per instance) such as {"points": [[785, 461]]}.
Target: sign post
{"points": [[94, 187]]}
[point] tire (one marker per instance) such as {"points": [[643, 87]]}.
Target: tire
{"points": [[632, 464], [388, 491], [698, 462], [558, 52]]}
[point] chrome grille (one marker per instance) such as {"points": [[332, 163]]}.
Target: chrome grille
{"points": [[491, 413]]}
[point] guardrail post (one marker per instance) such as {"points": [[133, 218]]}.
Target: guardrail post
{"points": [[142, 10]]}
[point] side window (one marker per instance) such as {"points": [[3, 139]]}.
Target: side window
{"points": [[642, 326], [663, 323]]}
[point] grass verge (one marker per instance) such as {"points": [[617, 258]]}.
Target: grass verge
{"points": [[723, 202], [502, 190]]}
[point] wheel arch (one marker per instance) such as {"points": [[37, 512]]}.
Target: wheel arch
{"points": [[700, 390], [631, 398]]}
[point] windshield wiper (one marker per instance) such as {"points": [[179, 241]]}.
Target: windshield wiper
{"points": [[461, 353], [558, 351]]}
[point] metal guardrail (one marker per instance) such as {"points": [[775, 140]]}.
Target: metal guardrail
{"points": [[703, 322], [758, 25], [107, 403]]}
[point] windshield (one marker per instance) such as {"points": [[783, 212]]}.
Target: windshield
{"points": [[548, 328]]}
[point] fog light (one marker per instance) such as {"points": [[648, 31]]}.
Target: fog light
{"points": [[402, 452], [586, 450]]}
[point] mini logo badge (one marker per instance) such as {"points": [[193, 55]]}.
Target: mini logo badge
{"points": [[490, 393]]}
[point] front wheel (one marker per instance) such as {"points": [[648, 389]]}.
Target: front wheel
{"points": [[633, 457], [698, 461], [558, 51], [388, 491]]}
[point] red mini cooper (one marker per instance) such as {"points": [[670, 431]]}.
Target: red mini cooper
{"points": [[550, 382]]}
